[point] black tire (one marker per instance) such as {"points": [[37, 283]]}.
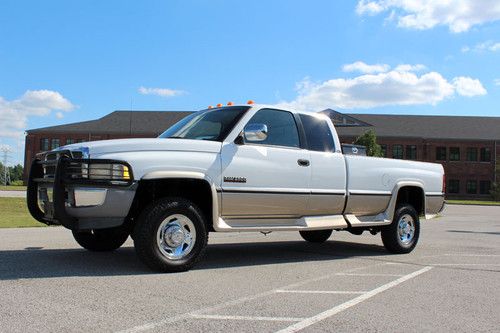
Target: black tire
{"points": [[390, 234], [101, 240], [316, 236], [147, 228]]}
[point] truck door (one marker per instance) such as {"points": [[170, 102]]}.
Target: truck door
{"points": [[328, 170], [268, 178]]}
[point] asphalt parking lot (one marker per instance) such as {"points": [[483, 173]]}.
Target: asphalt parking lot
{"points": [[256, 283]]}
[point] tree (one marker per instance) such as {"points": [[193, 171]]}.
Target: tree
{"points": [[16, 172], [369, 140]]}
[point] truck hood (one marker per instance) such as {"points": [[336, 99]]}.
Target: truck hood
{"points": [[96, 148]]}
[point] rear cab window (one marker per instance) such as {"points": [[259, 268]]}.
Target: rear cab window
{"points": [[318, 134]]}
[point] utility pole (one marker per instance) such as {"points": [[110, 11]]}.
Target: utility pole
{"points": [[6, 175]]}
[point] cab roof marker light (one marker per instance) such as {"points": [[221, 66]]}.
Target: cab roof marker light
{"points": [[250, 102], [230, 103], [219, 105]]}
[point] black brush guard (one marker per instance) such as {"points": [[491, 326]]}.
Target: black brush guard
{"points": [[64, 176]]}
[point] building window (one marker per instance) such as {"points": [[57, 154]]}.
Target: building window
{"points": [[384, 150], [484, 187], [411, 152], [441, 153], [485, 155], [55, 143], [454, 154], [397, 151], [44, 144], [70, 141], [453, 186], [471, 154], [471, 187]]}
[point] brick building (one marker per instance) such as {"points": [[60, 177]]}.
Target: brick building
{"points": [[468, 147]]}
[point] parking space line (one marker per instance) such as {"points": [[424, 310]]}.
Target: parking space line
{"points": [[367, 274], [361, 298], [251, 318], [153, 325], [432, 264], [319, 291], [471, 255]]}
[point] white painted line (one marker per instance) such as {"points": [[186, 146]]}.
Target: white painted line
{"points": [[222, 317], [339, 308], [462, 264], [156, 324], [471, 255], [320, 291], [367, 274]]}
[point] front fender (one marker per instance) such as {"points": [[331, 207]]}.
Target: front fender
{"points": [[172, 174]]}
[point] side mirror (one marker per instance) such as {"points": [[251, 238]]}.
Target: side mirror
{"points": [[255, 132]]}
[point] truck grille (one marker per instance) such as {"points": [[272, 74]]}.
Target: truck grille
{"points": [[49, 161]]}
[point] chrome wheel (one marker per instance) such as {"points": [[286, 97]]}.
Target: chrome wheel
{"points": [[406, 229], [176, 236]]}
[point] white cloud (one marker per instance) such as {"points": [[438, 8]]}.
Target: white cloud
{"points": [[361, 67], [484, 46], [14, 114], [458, 15], [469, 87], [410, 68], [59, 115], [163, 92], [400, 86]]}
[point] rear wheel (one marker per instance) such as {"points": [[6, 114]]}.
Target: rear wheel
{"points": [[170, 235], [101, 240], [316, 236], [401, 236]]}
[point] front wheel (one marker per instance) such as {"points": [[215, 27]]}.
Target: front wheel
{"points": [[101, 240], [316, 236], [170, 235], [401, 236]]}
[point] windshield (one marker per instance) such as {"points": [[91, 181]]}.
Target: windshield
{"points": [[211, 124]]}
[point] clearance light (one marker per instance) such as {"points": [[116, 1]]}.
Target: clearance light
{"points": [[229, 103], [250, 102], [210, 106], [219, 105]]}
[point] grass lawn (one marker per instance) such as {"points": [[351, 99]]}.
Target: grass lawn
{"points": [[12, 188], [473, 202], [14, 213]]}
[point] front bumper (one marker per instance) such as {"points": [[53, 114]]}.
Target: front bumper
{"points": [[77, 204]]}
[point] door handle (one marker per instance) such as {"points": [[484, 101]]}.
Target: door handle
{"points": [[303, 162]]}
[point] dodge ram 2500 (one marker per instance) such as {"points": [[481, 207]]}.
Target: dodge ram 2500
{"points": [[233, 168]]}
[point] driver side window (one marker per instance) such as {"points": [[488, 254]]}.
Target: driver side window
{"points": [[281, 128]]}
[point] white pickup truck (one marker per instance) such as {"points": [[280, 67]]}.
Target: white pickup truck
{"points": [[233, 168]]}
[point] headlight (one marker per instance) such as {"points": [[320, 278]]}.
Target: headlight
{"points": [[108, 172]]}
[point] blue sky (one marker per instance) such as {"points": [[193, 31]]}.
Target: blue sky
{"points": [[67, 61]]}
